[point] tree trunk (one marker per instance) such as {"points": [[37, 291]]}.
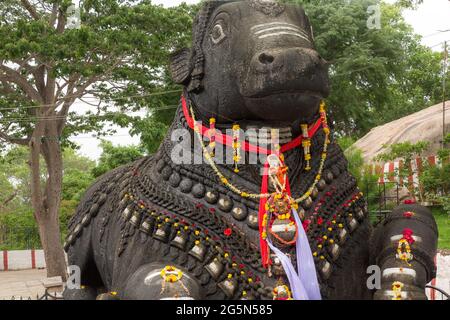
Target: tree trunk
{"points": [[46, 203], [51, 243]]}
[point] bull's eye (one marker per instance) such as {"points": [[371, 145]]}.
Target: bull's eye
{"points": [[217, 34]]}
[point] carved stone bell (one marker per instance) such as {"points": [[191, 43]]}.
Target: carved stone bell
{"points": [[334, 250], [343, 235], [326, 269], [135, 219], [161, 234], [360, 213], [146, 226], [229, 287], [215, 268], [314, 193], [126, 214], [353, 224], [179, 241], [211, 197], [225, 204], [198, 251], [329, 177], [281, 293]]}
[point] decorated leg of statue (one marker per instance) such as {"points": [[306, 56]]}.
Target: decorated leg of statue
{"points": [[159, 281], [404, 247]]}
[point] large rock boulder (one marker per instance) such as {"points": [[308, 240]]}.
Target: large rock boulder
{"points": [[425, 125]]}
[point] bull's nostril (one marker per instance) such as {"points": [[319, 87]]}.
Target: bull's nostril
{"points": [[265, 58]]}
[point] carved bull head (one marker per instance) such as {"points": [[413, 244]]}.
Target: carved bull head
{"points": [[252, 60]]}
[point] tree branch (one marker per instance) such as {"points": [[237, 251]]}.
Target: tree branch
{"points": [[22, 142], [30, 8], [54, 14], [61, 22], [9, 199], [15, 77]]}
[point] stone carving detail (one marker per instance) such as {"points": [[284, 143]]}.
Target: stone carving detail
{"points": [[269, 7]]}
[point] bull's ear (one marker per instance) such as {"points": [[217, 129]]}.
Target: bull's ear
{"points": [[180, 66]]}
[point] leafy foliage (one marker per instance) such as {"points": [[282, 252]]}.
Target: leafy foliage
{"points": [[404, 150], [436, 179], [115, 156], [18, 228], [367, 181], [117, 55], [377, 75]]}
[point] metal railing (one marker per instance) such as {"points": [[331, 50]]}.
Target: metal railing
{"points": [[379, 199], [444, 295]]}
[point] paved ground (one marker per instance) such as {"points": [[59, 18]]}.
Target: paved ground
{"points": [[25, 283], [443, 273]]}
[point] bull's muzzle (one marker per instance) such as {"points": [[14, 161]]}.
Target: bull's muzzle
{"points": [[281, 70]]}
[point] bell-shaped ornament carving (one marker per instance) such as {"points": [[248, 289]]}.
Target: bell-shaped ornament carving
{"points": [[146, 226], [179, 241], [334, 250], [161, 234], [135, 219], [326, 269], [126, 213], [215, 268], [353, 224], [198, 251], [229, 287]]}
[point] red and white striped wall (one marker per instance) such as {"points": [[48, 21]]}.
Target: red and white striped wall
{"points": [[21, 260], [387, 172]]}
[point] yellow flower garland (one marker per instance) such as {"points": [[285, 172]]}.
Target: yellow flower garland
{"points": [[245, 194]]}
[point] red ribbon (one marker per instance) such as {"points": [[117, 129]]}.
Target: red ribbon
{"points": [[264, 248], [245, 146]]}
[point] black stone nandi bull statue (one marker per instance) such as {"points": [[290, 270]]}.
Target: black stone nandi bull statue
{"points": [[158, 229]]}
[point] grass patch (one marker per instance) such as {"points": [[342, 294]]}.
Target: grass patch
{"points": [[443, 223]]}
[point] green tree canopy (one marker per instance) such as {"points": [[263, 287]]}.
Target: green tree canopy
{"points": [[115, 156], [377, 75], [114, 52]]}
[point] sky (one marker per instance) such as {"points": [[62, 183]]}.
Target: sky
{"points": [[431, 17]]}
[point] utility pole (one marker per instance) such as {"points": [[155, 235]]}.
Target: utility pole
{"points": [[444, 93]]}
